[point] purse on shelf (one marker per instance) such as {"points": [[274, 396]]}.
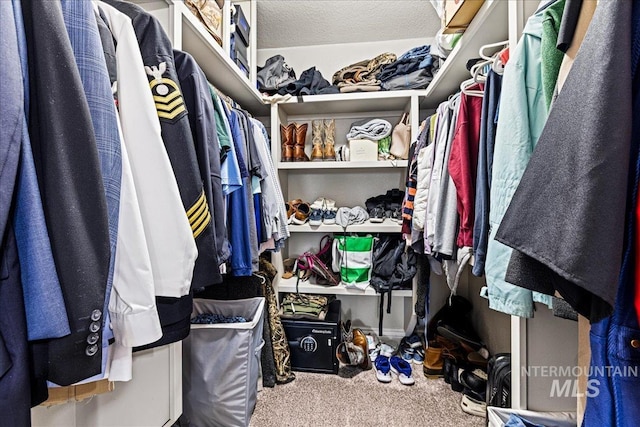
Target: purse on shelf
{"points": [[309, 265], [401, 138]]}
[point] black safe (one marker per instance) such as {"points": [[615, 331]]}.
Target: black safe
{"points": [[313, 343]]}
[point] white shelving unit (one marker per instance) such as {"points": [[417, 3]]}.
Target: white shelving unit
{"points": [[490, 25], [289, 285], [349, 184], [387, 226]]}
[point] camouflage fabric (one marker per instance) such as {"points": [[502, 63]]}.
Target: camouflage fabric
{"points": [[281, 351]]}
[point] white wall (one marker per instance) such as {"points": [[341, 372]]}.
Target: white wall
{"points": [[332, 57]]}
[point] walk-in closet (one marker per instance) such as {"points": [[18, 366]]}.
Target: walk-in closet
{"points": [[273, 213]]}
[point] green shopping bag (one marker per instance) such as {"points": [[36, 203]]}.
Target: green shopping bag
{"points": [[353, 259]]}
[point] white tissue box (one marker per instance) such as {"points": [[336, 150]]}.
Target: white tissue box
{"points": [[363, 150]]}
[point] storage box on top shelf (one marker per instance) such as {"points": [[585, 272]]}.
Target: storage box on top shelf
{"points": [[243, 29], [363, 150], [458, 14], [313, 343]]}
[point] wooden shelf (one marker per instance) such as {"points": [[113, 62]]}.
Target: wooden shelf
{"points": [[341, 103], [388, 226], [289, 285], [342, 165], [219, 68], [488, 26]]}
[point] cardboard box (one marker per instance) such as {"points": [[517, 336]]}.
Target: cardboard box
{"points": [[363, 150], [459, 13], [313, 343]]}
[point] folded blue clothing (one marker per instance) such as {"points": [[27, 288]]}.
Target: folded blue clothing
{"points": [[208, 319]]}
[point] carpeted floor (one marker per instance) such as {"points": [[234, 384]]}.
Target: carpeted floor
{"points": [[356, 398]]}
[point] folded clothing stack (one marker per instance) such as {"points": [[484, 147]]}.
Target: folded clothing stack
{"points": [[311, 82], [361, 76], [413, 70], [274, 75], [374, 129]]}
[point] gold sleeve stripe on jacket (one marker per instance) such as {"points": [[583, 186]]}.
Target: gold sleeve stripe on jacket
{"points": [[199, 215], [173, 114], [201, 199], [202, 227]]}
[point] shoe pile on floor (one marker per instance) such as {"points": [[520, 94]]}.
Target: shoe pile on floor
{"points": [[456, 353]]}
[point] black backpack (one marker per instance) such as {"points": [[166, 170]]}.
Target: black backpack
{"points": [[499, 381]]}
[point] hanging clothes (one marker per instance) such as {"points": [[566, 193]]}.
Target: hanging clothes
{"points": [[489, 120], [203, 126], [522, 117], [159, 63], [44, 304], [548, 240], [463, 162], [15, 390], [82, 28], [66, 156]]}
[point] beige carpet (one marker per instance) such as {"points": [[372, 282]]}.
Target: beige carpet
{"points": [[356, 398]]}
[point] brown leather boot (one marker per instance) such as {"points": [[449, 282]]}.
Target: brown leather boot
{"points": [[286, 138], [329, 139], [360, 340], [433, 362], [317, 152], [299, 136]]}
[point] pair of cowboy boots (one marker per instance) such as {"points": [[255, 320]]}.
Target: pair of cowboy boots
{"points": [[293, 136], [323, 140]]}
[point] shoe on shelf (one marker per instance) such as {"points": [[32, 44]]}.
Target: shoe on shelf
{"points": [[315, 217], [383, 369], [286, 138], [402, 369], [473, 407], [329, 152], [301, 215], [299, 137], [329, 216], [377, 215], [317, 151]]}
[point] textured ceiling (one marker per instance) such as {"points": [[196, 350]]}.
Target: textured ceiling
{"points": [[286, 23]]}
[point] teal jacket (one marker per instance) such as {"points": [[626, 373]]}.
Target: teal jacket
{"points": [[523, 113]]}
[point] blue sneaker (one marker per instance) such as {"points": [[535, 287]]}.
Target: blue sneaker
{"points": [[418, 356], [405, 351], [329, 216], [383, 369], [315, 217], [402, 369]]}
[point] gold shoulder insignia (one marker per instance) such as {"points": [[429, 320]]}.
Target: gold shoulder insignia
{"points": [[166, 94]]}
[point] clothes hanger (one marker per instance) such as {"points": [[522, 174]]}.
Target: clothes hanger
{"points": [[484, 48]]}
